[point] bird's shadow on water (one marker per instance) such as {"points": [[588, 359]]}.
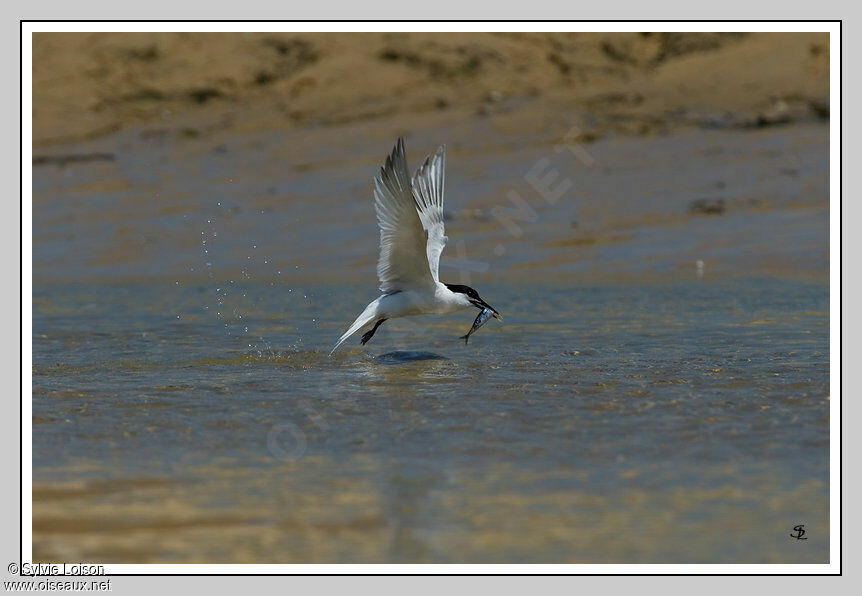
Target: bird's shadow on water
{"points": [[400, 357]]}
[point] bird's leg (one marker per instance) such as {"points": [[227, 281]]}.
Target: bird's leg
{"points": [[368, 334]]}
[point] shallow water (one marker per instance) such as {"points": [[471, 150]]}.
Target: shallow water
{"points": [[673, 422], [658, 391]]}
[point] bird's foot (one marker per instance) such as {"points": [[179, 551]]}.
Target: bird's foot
{"points": [[370, 333]]}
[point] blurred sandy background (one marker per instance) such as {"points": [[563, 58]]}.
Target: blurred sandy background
{"points": [[89, 84], [277, 136]]}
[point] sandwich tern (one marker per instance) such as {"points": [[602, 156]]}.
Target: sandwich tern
{"points": [[410, 216]]}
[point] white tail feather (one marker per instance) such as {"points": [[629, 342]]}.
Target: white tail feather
{"points": [[368, 315]]}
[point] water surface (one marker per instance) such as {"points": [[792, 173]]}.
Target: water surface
{"points": [[673, 422]]}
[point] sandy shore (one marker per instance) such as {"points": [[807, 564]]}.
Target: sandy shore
{"points": [[146, 142], [86, 85]]}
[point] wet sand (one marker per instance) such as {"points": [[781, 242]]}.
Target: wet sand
{"points": [[296, 205]]}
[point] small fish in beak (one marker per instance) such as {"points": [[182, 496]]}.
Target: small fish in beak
{"points": [[483, 316]]}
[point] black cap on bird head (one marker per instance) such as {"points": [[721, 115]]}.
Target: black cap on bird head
{"points": [[473, 297]]}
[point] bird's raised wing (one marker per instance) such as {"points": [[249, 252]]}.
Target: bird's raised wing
{"points": [[402, 263], [428, 193]]}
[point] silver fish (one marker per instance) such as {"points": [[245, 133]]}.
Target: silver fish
{"points": [[481, 319]]}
